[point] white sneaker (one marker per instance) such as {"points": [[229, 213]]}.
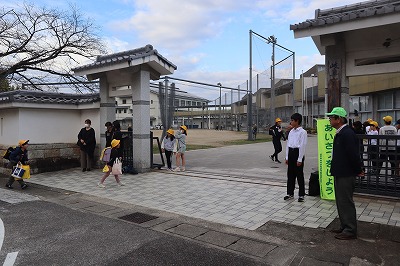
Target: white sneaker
{"points": [[121, 184], [101, 185], [183, 169], [177, 169]]}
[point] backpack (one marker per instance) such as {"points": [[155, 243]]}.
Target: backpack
{"points": [[105, 154], [313, 185], [6, 155]]}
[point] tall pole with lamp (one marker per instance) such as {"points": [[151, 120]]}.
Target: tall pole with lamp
{"points": [[220, 99]]}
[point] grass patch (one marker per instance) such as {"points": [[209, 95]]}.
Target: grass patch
{"points": [[191, 147], [260, 139]]}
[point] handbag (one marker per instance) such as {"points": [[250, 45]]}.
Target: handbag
{"points": [[117, 167], [27, 173], [105, 169], [106, 154], [18, 172]]}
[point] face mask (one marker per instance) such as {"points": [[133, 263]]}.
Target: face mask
{"points": [[87, 125]]}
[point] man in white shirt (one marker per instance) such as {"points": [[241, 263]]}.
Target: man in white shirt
{"points": [[295, 150]]}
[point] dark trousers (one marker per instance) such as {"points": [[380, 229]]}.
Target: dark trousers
{"points": [[387, 154], [295, 172], [373, 156], [86, 160], [168, 155], [12, 179], [344, 188], [278, 148]]}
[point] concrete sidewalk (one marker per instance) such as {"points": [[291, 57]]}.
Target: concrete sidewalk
{"points": [[223, 193], [244, 203]]}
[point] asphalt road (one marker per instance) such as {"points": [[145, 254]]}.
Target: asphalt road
{"points": [[44, 233]]}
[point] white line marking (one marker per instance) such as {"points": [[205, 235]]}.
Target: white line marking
{"points": [[10, 259], [1, 233]]}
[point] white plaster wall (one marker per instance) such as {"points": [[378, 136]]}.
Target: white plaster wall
{"points": [[9, 129], [51, 125]]}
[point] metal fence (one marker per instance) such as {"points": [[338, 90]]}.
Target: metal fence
{"points": [[380, 156]]}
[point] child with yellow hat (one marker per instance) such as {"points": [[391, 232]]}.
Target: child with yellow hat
{"points": [[180, 148], [115, 144], [168, 145], [19, 155]]}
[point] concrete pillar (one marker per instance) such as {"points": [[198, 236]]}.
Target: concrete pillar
{"points": [[338, 82], [141, 120], [107, 109]]}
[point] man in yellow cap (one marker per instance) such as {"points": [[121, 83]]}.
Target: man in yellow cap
{"points": [[19, 155], [277, 134]]}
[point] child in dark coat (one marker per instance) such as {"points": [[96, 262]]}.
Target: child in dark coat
{"points": [[19, 155]]}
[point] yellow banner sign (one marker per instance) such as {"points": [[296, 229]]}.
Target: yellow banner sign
{"points": [[325, 134]]}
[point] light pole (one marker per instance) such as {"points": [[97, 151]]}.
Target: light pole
{"points": [[312, 100], [220, 99]]}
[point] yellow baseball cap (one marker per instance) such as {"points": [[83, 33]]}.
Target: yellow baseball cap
{"points": [[115, 142], [171, 131], [183, 127], [278, 120], [388, 118], [22, 142], [374, 123]]}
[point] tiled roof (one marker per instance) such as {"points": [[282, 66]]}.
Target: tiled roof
{"points": [[126, 56], [24, 96], [349, 12]]}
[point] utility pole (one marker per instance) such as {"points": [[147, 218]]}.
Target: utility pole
{"points": [[272, 39], [249, 93], [220, 99]]}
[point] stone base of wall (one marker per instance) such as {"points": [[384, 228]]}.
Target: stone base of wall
{"points": [[49, 157]]}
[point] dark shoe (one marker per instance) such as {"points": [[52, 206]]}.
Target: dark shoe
{"points": [[84, 170], [336, 231], [272, 158], [87, 169], [301, 199], [9, 186], [288, 197], [278, 161], [344, 236], [24, 186]]}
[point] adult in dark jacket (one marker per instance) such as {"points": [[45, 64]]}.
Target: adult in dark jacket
{"points": [[19, 155], [277, 135], [87, 143], [117, 134], [109, 133], [345, 167]]}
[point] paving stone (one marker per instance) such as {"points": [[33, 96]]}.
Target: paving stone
{"points": [[281, 256], [82, 205], [306, 261], [166, 225], [188, 230], [99, 208], [252, 247], [217, 238]]}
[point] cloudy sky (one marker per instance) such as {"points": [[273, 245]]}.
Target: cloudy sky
{"points": [[208, 40]]}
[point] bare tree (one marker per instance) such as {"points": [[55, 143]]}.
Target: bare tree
{"points": [[40, 45]]}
